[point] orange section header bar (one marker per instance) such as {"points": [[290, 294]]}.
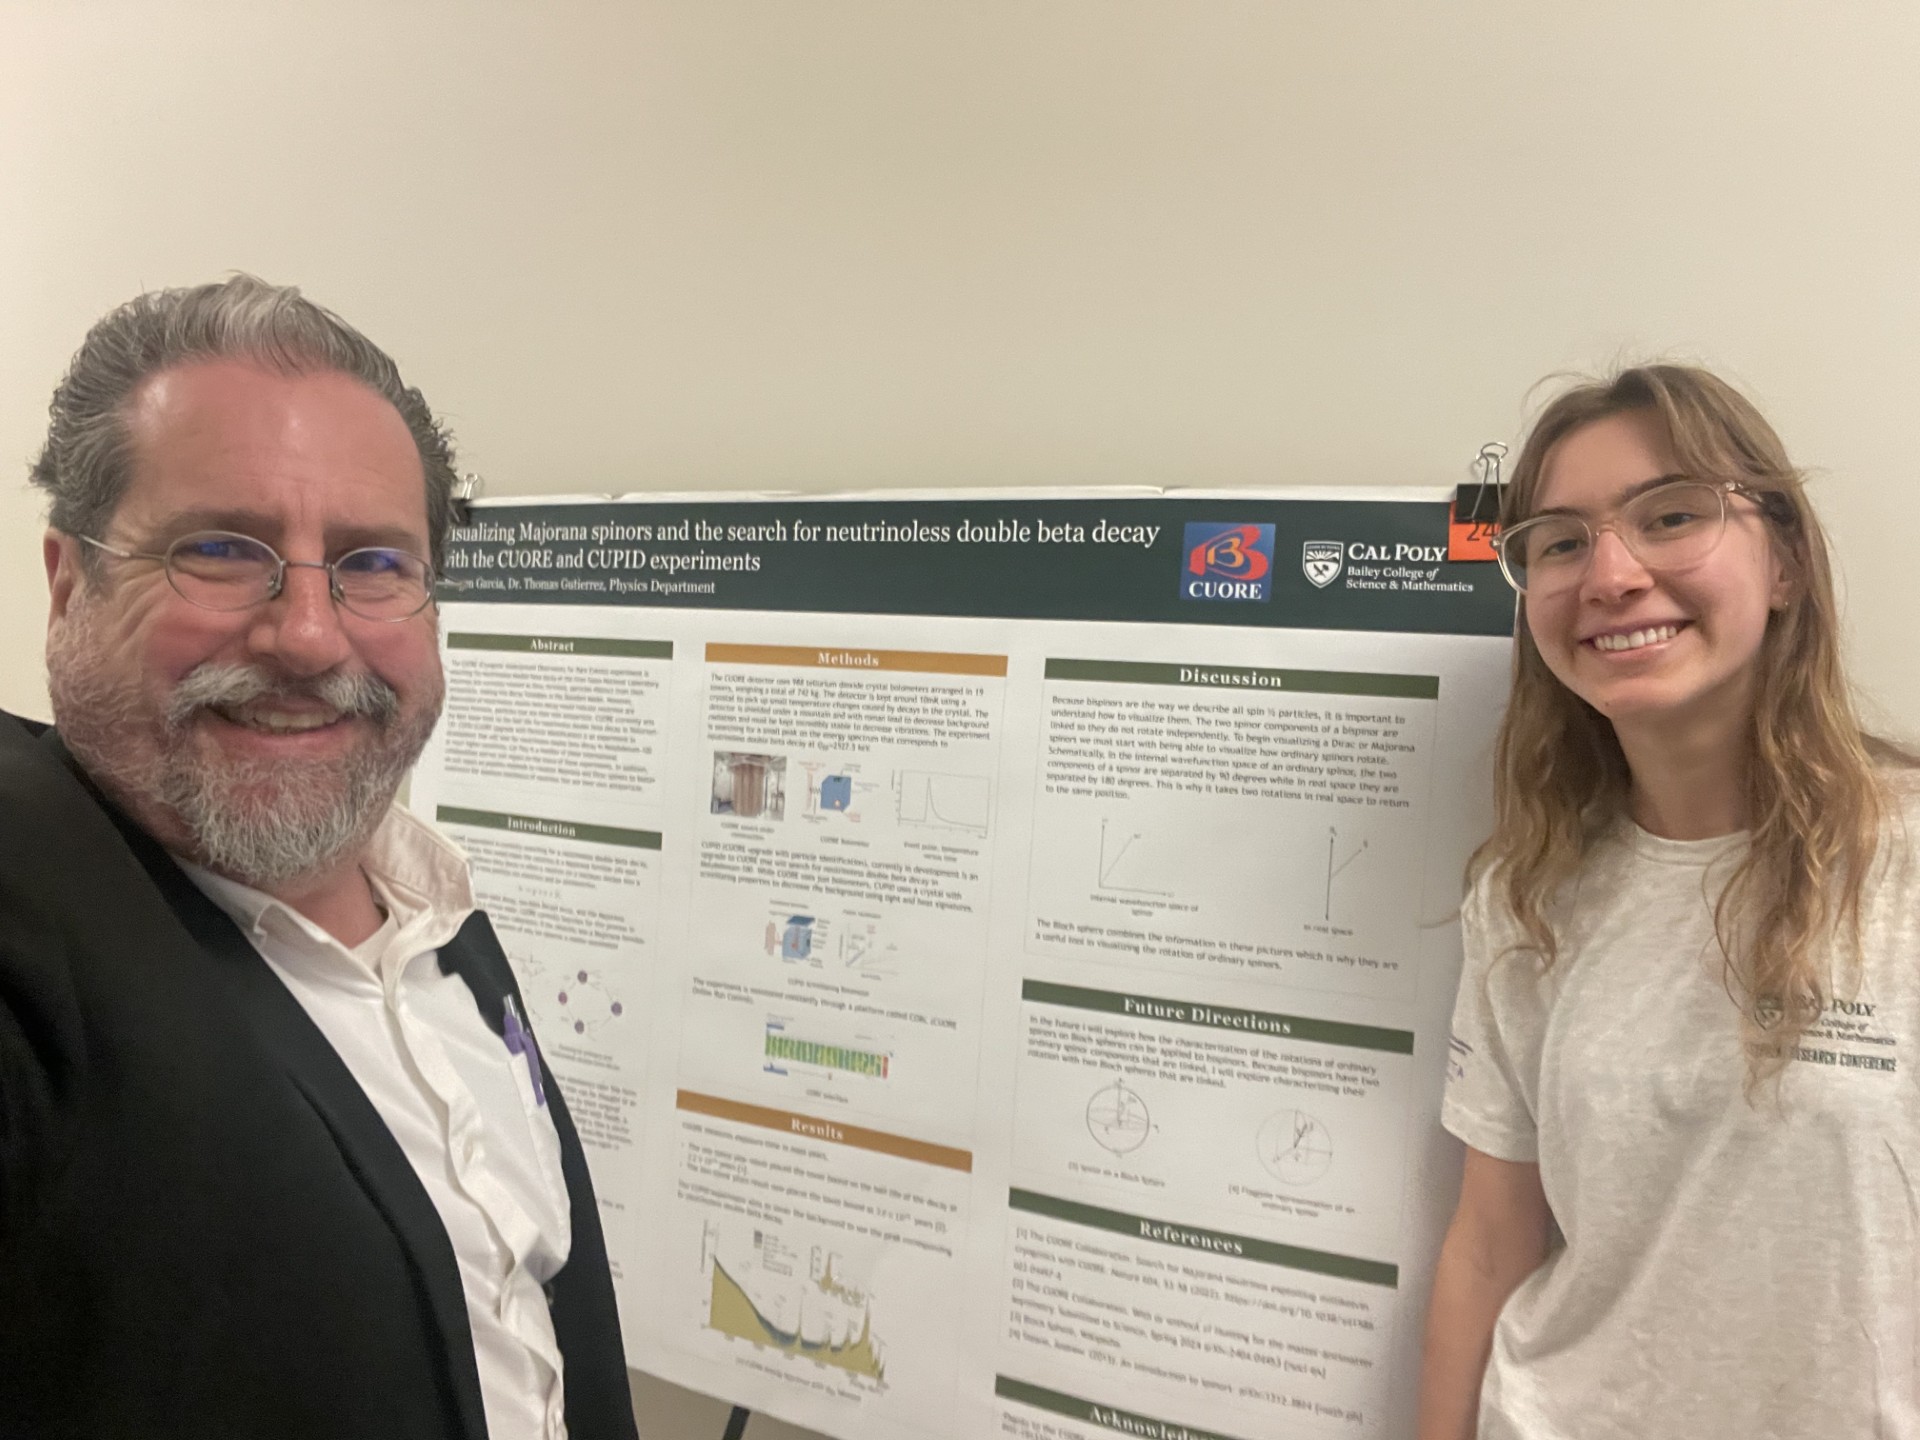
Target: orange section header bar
{"points": [[838, 657], [812, 1128]]}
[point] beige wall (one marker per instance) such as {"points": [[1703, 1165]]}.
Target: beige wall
{"points": [[868, 243], [816, 244], [799, 243]]}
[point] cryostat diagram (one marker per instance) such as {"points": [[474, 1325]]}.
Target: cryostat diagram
{"points": [[753, 787]]}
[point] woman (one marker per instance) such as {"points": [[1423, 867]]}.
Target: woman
{"points": [[1688, 1030]]}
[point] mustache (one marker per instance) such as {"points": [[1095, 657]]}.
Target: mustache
{"points": [[214, 686]]}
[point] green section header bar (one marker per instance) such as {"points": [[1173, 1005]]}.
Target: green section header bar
{"points": [[1221, 1017], [1248, 677], [1126, 1422], [564, 645], [553, 829], [1218, 1243]]}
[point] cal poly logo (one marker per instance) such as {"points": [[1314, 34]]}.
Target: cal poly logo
{"points": [[1228, 562], [1320, 559]]}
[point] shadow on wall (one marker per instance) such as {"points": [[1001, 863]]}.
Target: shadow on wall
{"points": [[667, 1412]]}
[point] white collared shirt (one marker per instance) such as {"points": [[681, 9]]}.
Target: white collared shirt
{"points": [[463, 1107]]}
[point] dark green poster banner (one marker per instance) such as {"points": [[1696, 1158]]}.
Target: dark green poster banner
{"points": [[1368, 565]]}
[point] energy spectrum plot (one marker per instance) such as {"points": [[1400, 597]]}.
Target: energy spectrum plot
{"points": [[1117, 1118], [948, 802], [1294, 1147], [1334, 868], [822, 1326], [784, 1049], [1124, 864]]}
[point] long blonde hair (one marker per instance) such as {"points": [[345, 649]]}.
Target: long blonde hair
{"points": [[1814, 803]]}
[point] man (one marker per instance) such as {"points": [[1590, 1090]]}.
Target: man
{"points": [[278, 1156]]}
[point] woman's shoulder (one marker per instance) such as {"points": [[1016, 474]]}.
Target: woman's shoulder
{"points": [[1625, 884], [1488, 911], [1895, 764], [1892, 882], [1896, 770]]}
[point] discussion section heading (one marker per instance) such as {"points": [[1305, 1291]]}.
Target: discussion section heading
{"points": [[1291, 564]]}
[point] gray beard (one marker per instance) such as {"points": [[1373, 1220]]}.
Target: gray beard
{"points": [[291, 828], [267, 824], [263, 825]]}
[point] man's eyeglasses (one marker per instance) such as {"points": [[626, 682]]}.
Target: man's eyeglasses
{"points": [[1666, 528], [218, 570]]}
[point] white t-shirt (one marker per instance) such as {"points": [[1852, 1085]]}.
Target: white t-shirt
{"points": [[1733, 1266]]}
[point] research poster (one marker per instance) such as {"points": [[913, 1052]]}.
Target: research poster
{"points": [[997, 948]]}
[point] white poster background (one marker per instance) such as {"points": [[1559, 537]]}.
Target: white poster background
{"points": [[778, 966]]}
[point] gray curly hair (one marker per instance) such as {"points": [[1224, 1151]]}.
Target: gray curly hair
{"points": [[85, 466]]}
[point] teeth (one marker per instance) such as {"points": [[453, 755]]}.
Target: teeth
{"points": [[1636, 639], [280, 722]]}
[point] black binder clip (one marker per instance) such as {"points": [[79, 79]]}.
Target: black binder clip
{"points": [[465, 491], [1479, 503]]}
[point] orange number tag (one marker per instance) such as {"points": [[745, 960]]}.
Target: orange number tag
{"points": [[1469, 539]]}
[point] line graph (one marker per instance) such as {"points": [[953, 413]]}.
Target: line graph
{"points": [[943, 801], [1334, 870], [1124, 863]]}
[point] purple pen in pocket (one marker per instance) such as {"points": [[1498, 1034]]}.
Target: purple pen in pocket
{"points": [[520, 1042]]}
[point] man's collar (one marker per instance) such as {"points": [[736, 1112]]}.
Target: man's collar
{"points": [[417, 874], [415, 863], [414, 868]]}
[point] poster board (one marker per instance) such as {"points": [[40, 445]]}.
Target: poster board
{"points": [[997, 948]]}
